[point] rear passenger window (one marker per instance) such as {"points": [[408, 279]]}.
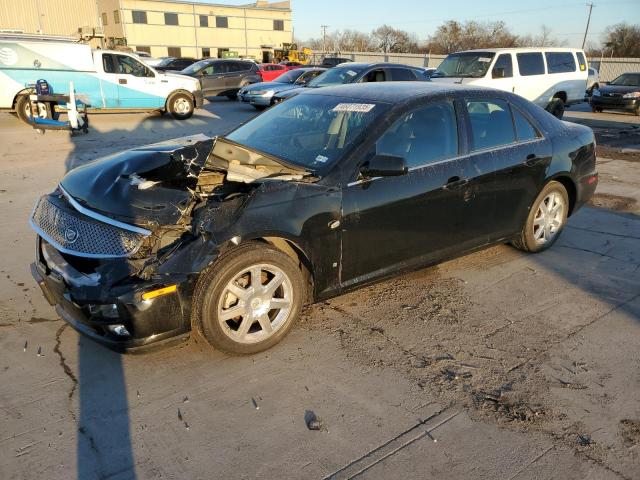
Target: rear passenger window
{"points": [[503, 67], [375, 76], [402, 75], [524, 130], [582, 62], [560, 62], [491, 123], [530, 63], [422, 136]]}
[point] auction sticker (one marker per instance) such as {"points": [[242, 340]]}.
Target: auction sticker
{"points": [[353, 107]]}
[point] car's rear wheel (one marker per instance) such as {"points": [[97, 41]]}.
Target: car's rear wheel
{"points": [[248, 300], [259, 107], [556, 108], [546, 219], [596, 109], [181, 106]]}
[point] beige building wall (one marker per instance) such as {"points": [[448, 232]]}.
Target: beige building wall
{"points": [[249, 32], [49, 17]]}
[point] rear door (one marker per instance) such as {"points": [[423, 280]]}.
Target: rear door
{"points": [[504, 140], [532, 82]]}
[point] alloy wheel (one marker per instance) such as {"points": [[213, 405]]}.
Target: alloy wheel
{"points": [[549, 218], [255, 304]]}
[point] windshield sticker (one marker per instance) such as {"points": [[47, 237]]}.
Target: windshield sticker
{"points": [[321, 159], [353, 107], [484, 59], [351, 73]]}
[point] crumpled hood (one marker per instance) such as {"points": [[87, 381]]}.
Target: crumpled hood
{"points": [[146, 186]]}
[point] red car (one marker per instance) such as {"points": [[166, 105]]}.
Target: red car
{"points": [[270, 71]]}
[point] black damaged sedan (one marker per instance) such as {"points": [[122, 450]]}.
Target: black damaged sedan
{"points": [[331, 190]]}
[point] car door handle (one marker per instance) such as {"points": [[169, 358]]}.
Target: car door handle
{"points": [[122, 81], [532, 160], [455, 182]]}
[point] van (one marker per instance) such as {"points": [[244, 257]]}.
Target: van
{"points": [[552, 78], [105, 80]]}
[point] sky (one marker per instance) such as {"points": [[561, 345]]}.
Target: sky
{"points": [[566, 18]]}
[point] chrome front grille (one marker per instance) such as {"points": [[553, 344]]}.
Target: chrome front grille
{"points": [[73, 232]]}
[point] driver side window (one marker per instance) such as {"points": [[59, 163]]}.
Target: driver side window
{"points": [[422, 136], [130, 66]]}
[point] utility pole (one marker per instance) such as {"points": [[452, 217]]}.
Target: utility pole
{"points": [[586, 30], [324, 37]]}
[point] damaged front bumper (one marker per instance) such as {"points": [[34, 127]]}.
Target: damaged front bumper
{"points": [[117, 317]]}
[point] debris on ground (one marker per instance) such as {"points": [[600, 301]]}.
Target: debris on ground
{"points": [[312, 421]]}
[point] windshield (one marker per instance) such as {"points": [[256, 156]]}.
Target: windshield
{"points": [[627, 80], [470, 64], [195, 67], [335, 76], [309, 131], [289, 77]]}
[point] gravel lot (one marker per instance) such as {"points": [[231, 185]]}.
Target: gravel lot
{"points": [[494, 365]]}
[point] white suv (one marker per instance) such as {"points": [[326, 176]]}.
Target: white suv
{"points": [[549, 77]]}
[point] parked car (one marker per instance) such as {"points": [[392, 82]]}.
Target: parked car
{"points": [[329, 62], [175, 64], [331, 190], [549, 77], [260, 95], [289, 64], [104, 79], [358, 73], [623, 93], [593, 81], [223, 77], [271, 71]]}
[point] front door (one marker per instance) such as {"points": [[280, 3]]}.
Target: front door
{"points": [[137, 85], [392, 223], [212, 78]]}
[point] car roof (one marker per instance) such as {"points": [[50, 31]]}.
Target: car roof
{"points": [[523, 49], [372, 65], [395, 92]]}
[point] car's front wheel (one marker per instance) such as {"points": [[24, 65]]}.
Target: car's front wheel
{"points": [[546, 219], [249, 299]]}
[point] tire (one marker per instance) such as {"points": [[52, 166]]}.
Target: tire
{"points": [[228, 286], [23, 109], [180, 105], [556, 108], [259, 107], [637, 110], [542, 229]]}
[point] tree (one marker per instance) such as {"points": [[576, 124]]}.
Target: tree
{"points": [[623, 40], [544, 39], [453, 36], [390, 40]]}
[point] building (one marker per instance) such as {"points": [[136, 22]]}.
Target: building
{"points": [[51, 17], [188, 29]]}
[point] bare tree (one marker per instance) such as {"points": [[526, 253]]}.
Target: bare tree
{"points": [[623, 40], [390, 40], [544, 39]]}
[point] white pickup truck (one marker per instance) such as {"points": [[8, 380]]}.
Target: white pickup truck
{"points": [[106, 80]]}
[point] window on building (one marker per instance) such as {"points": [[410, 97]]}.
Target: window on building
{"points": [[222, 22], [530, 63], [560, 62], [491, 123], [206, 52], [143, 49], [116, 16], [171, 18], [422, 136], [104, 19], [222, 52], [139, 16], [174, 52], [278, 25], [503, 65], [204, 21]]}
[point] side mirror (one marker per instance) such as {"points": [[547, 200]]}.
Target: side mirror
{"points": [[497, 72], [384, 166]]}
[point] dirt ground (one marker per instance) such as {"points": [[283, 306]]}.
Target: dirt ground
{"points": [[494, 365]]}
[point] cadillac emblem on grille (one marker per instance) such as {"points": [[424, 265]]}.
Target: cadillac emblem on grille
{"points": [[73, 232]]}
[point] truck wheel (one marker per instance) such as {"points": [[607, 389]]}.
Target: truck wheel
{"points": [[249, 299], [556, 108], [180, 105], [23, 109]]}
